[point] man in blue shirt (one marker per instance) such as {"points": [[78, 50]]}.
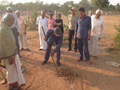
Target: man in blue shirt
{"points": [[82, 34], [53, 35]]}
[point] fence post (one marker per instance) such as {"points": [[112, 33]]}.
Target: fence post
{"points": [[55, 14], [28, 16]]}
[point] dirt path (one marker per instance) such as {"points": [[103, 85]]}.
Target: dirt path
{"points": [[98, 76]]}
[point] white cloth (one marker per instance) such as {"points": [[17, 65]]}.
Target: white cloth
{"points": [[42, 22], [14, 73], [97, 26], [94, 42], [21, 38]]}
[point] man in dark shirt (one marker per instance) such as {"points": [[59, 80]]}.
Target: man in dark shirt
{"points": [[82, 34], [53, 35]]}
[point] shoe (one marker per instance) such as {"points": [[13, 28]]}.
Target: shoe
{"points": [[44, 62], [69, 50], [28, 49], [21, 49], [58, 64], [40, 49], [79, 60], [89, 63]]}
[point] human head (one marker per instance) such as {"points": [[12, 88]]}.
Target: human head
{"points": [[73, 10], [9, 10], [98, 13], [9, 19], [43, 14], [18, 13], [57, 32], [51, 15], [81, 11], [59, 16]]}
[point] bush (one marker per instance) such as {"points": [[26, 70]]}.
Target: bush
{"points": [[117, 37], [32, 25]]}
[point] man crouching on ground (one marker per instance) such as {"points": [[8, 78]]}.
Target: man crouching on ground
{"points": [[53, 35]]}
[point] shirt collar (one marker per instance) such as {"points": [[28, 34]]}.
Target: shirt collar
{"points": [[83, 17]]}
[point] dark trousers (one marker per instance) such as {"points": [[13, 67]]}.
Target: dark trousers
{"points": [[83, 43], [48, 51], [15, 33], [70, 36]]}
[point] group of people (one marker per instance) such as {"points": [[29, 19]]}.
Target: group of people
{"points": [[86, 31]]}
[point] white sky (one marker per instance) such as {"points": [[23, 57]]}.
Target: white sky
{"points": [[114, 2]]}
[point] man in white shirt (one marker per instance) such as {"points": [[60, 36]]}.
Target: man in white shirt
{"points": [[42, 21], [96, 32], [22, 30]]}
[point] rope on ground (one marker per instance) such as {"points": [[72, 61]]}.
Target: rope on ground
{"points": [[31, 83]]}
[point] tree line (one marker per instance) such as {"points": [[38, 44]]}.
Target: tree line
{"points": [[39, 5]]}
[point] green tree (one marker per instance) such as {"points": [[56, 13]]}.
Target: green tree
{"points": [[100, 3]]}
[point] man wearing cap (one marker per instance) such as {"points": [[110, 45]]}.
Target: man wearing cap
{"points": [[53, 35], [82, 34], [14, 27], [96, 31], [71, 23]]}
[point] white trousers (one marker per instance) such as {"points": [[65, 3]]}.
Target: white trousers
{"points": [[93, 43], [14, 73], [23, 37]]}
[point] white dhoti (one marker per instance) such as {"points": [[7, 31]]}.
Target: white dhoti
{"points": [[42, 22], [14, 74], [94, 42], [43, 43]]}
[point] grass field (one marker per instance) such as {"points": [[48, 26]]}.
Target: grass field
{"points": [[76, 76]]}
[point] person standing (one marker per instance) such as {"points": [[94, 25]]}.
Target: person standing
{"points": [[22, 30], [51, 21], [42, 21], [82, 34], [71, 23], [14, 27], [59, 23], [54, 35], [8, 53], [96, 32]]}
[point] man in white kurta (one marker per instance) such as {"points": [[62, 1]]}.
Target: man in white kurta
{"points": [[22, 30], [96, 32], [42, 21], [9, 54]]}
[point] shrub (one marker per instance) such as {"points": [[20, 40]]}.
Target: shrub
{"points": [[117, 37]]}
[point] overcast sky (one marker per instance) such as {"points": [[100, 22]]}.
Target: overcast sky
{"points": [[114, 2]]}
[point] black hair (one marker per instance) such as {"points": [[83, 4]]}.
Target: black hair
{"points": [[59, 15], [82, 9]]}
